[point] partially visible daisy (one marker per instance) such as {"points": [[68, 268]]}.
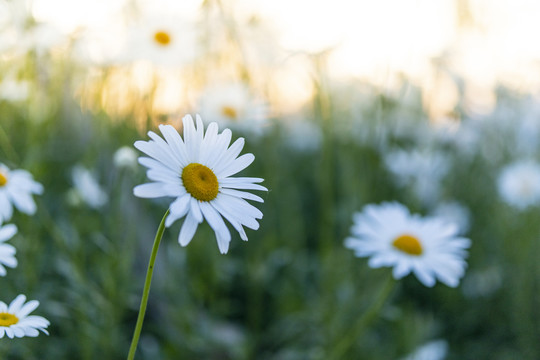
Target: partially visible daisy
{"points": [[7, 252], [433, 350], [233, 105], [16, 189], [421, 169], [125, 157], [454, 212], [87, 188], [15, 321], [429, 247], [197, 170], [519, 184]]}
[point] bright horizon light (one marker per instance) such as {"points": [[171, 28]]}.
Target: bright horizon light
{"points": [[484, 42]]}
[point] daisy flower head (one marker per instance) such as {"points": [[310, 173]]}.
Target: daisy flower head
{"points": [[87, 187], [162, 38], [393, 237], [234, 105], [519, 184], [15, 320], [7, 252], [16, 189], [197, 170]]}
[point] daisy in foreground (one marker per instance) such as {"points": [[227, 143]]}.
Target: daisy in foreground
{"points": [[197, 170], [7, 252], [429, 247], [15, 321], [16, 188]]}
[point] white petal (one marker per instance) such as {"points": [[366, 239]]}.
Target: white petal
{"points": [[236, 166], [223, 204], [179, 208], [151, 149], [7, 232], [175, 142], [18, 331], [23, 202], [230, 155], [223, 243], [216, 222], [424, 276], [195, 209], [6, 209], [189, 227], [30, 332], [16, 304], [165, 149], [208, 143], [150, 190], [219, 148], [27, 308], [230, 218], [241, 194], [190, 139]]}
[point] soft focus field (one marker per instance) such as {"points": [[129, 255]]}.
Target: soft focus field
{"points": [[325, 146]]}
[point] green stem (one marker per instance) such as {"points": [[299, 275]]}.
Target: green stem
{"points": [[361, 325], [146, 291]]}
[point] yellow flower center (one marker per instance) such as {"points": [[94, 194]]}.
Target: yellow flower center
{"points": [[408, 244], [200, 182], [229, 112], [7, 319], [3, 179], [162, 38]]}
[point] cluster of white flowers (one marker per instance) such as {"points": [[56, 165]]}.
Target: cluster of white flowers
{"points": [[16, 190]]}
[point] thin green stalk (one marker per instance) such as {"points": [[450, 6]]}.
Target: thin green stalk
{"points": [[361, 325], [146, 291]]}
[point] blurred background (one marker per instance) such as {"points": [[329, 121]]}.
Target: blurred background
{"points": [[430, 103]]}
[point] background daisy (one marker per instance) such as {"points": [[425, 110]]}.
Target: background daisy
{"points": [[519, 184], [428, 247]]}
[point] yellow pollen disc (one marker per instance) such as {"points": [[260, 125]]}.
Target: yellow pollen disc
{"points": [[200, 182], [408, 244], [3, 179], [162, 38], [7, 319], [229, 112]]}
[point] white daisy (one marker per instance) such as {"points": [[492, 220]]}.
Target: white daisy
{"points": [[15, 322], [519, 184], [162, 38], [197, 170], [391, 236], [16, 189], [7, 252], [125, 157], [233, 105], [88, 188], [423, 170]]}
